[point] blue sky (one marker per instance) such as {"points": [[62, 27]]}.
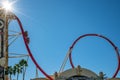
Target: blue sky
{"points": [[53, 25]]}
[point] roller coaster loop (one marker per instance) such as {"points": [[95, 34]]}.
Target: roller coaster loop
{"points": [[97, 35]]}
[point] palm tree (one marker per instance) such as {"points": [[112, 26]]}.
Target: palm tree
{"points": [[23, 64], [18, 70], [14, 70], [9, 71]]}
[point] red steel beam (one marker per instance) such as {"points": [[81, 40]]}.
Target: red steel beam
{"points": [[29, 51], [108, 40]]}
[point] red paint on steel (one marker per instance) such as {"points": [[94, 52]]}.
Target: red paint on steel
{"points": [[29, 51], [97, 35], [119, 62]]}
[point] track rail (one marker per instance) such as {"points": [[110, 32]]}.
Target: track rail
{"points": [[29, 51], [96, 35], [70, 49]]}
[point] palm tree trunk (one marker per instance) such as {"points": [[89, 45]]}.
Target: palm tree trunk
{"points": [[23, 73], [17, 76], [10, 77]]}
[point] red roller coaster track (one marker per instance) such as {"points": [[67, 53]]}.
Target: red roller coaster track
{"points": [[29, 51], [112, 44], [49, 77]]}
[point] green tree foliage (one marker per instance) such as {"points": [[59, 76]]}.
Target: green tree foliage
{"points": [[17, 69]]}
